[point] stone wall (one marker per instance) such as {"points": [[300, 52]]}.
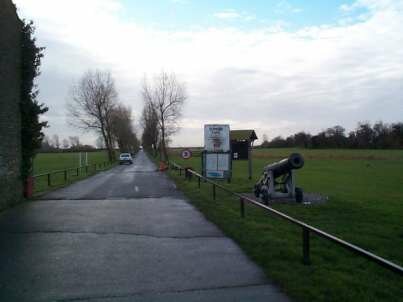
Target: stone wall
{"points": [[10, 139]]}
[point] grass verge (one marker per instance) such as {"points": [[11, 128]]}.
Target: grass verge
{"points": [[364, 208]]}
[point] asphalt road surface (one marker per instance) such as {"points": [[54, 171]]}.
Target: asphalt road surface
{"points": [[126, 234]]}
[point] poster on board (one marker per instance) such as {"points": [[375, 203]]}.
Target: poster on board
{"points": [[217, 165], [216, 138]]}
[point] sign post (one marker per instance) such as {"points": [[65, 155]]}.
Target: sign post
{"points": [[216, 156]]}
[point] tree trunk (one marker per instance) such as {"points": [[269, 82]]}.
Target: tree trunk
{"points": [[107, 145], [164, 152]]}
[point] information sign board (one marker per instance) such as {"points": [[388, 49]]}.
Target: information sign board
{"points": [[216, 138]]}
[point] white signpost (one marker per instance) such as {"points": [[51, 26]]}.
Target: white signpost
{"points": [[216, 159]]}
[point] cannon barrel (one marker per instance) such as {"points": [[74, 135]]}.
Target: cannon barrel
{"points": [[293, 162]]}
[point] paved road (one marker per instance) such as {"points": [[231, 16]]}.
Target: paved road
{"points": [[125, 234]]}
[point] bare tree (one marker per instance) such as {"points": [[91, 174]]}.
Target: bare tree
{"points": [[92, 102], [167, 96], [56, 141], [149, 123], [74, 141], [123, 130], [65, 143]]}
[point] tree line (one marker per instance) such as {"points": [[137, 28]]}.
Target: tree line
{"points": [[365, 136], [70, 144], [94, 106]]}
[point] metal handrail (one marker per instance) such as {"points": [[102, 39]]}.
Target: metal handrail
{"points": [[306, 228], [65, 171]]}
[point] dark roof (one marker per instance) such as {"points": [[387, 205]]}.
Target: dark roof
{"points": [[238, 135]]}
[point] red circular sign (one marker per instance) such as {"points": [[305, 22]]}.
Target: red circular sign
{"points": [[186, 154]]}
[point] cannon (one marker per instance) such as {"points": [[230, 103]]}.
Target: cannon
{"points": [[278, 180]]}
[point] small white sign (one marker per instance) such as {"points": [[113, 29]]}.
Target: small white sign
{"points": [[186, 154], [216, 138]]}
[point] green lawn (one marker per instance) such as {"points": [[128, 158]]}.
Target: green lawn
{"points": [[48, 162], [365, 207]]}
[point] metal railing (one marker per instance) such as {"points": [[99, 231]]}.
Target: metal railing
{"points": [[306, 228], [83, 170]]}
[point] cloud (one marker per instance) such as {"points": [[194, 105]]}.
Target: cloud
{"points": [[231, 14], [284, 8], [267, 78]]}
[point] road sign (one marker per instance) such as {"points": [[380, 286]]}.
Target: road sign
{"points": [[186, 154]]}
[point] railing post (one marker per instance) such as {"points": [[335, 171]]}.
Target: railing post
{"points": [[242, 205], [305, 246], [65, 176], [78, 171], [214, 191], [199, 181], [49, 183]]}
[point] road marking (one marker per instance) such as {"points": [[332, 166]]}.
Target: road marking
{"points": [[136, 188]]}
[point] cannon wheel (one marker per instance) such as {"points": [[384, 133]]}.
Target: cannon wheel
{"points": [[265, 197]]}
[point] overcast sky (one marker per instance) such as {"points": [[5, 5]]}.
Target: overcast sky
{"points": [[274, 66]]}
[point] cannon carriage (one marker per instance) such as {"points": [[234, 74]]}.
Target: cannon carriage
{"points": [[278, 180]]}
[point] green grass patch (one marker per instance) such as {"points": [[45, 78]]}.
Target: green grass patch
{"points": [[50, 162], [365, 207]]}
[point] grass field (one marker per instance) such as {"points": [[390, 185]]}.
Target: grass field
{"points": [[365, 207], [48, 162]]}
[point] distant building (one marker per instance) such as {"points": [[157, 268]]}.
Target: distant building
{"points": [[241, 146], [241, 143]]}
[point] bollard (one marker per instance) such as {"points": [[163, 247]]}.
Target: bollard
{"points": [[65, 176], [198, 182], [180, 171], [242, 205], [214, 192], [86, 170], [78, 171], [305, 246], [49, 183]]}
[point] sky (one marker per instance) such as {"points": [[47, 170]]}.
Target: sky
{"points": [[276, 66]]}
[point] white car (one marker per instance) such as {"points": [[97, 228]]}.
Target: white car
{"points": [[125, 158]]}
